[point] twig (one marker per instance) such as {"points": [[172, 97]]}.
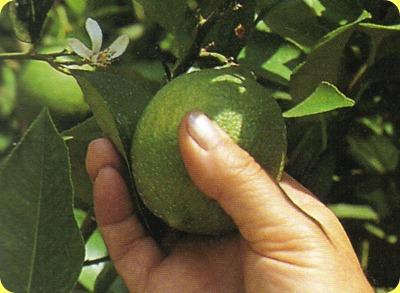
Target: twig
{"points": [[217, 56], [200, 34], [96, 261], [88, 226], [35, 56], [50, 58]]}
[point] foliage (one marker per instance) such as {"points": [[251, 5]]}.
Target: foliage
{"points": [[331, 65]]}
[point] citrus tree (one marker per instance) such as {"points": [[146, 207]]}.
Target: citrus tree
{"points": [[318, 81]]}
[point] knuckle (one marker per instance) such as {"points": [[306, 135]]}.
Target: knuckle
{"points": [[242, 166], [237, 168]]}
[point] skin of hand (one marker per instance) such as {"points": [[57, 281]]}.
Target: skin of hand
{"points": [[288, 241]]}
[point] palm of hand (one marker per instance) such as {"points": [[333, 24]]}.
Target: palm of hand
{"points": [[231, 265], [200, 266]]}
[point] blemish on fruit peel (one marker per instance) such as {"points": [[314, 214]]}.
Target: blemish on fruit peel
{"points": [[234, 120], [397, 3], [2, 4], [396, 290]]}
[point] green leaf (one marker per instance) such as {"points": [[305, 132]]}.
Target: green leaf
{"points": [[324, 99], [78, 139], [117, 104], [375, 153], [307, 21], [270, 56], [28, 17], [324, 63], [41, 249], [351, 211], [295, 20]]}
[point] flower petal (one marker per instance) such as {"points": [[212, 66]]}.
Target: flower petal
{"points": [[95, 34], [79, 48], [118, 47]]}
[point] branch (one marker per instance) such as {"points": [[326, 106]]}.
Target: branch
{"points": [[200, 34], [96, 261], [50, 58]]}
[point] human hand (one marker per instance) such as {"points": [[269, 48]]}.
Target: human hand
{"points": [[288, 240]]}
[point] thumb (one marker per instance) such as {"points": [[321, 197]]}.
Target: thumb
{"points": [[229, 175]]}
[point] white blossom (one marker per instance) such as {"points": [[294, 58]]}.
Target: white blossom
{"points": [[96, 56]]}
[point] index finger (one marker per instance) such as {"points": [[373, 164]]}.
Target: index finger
{"points": [[133, 253]]}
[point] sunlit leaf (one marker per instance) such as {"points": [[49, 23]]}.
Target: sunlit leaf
{"points": [[324, 99], [270, 56]]}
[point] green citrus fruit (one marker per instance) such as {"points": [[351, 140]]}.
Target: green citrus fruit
{"points": [[234, 100], [40, 85]]}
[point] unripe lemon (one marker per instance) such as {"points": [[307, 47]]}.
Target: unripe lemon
{"points": [[40, 85], [232, 98]]}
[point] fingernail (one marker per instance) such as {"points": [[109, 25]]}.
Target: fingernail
{"points": [[203, 131]]}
